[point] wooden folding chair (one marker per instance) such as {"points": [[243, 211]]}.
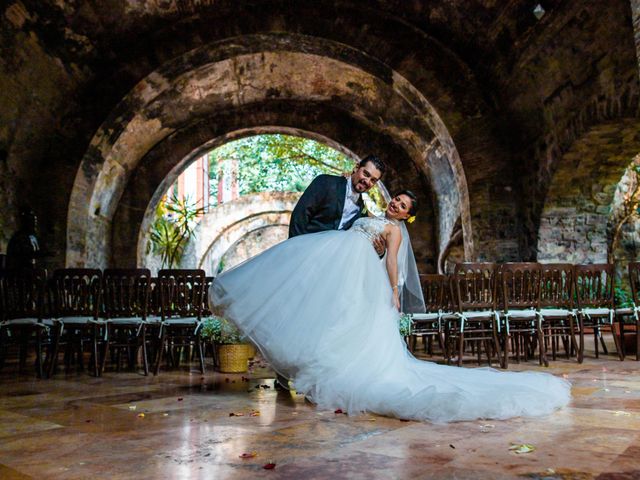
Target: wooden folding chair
{"points": [[24, 320], [428, 325], [126, 299], [181, 293], [595, 303], [76, 299], [631, 312], [520, 294], [559, 318], [476, 321]]}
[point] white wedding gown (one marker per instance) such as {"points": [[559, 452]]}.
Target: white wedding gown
{"points": [[319, 308]]}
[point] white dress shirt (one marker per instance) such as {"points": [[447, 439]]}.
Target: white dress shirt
{"points": [[350, 204]]}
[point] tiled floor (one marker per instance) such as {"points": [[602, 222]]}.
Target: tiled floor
{"points": [[178, 425]]}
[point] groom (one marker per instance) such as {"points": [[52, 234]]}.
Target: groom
{"points": [[333, 203]]}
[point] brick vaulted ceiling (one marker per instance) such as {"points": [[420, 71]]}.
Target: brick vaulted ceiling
{"points": [[514, 93]]}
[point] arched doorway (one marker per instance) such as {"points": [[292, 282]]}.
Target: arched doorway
{"points": [[192, 103]]}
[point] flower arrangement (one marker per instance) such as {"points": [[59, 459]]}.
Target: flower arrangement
{"points": [[405, 324], [221, 331]]}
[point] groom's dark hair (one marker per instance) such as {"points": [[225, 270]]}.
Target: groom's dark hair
{"points": [[376, 163]]}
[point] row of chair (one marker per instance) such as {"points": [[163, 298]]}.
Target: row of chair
{"points": [[119, 312], [498, 309], [520, 307]]}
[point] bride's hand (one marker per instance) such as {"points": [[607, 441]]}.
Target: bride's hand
{"points": [[396, 298]]}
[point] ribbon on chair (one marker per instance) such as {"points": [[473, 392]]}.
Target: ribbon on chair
{"points": [[463, 318], [198, 327], [141, 322], [440, 315], [611, 313], [537, 314], [164, 322], [6, 323]]}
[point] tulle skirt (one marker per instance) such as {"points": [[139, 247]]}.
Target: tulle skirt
{"points": [[319, 307]]}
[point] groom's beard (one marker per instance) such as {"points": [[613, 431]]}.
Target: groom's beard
{"points": [[361, 187]]}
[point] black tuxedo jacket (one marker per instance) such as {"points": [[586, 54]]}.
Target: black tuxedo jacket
{"points": [[320, 207]]}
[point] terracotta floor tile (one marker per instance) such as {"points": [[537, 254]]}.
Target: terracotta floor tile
{"points": [[78, 426]]}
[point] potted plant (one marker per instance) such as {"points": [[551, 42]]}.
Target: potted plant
{"points": [[232, 350], [405, 324]]}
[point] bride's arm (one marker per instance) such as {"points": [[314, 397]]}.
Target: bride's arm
{"points": [[394, 237]]}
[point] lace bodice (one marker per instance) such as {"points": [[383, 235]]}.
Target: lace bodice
{"points": [[370, 227]]}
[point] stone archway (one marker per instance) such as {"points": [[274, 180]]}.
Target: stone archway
{"points": [[573, 225], [231, 75], [253, 243], [235, 233], [224, 225]]}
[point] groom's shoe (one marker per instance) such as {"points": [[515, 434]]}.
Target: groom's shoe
{"points": [[282, 383]]}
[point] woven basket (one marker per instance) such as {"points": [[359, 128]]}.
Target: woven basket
{"points": [[233, 358], [251, 350]]}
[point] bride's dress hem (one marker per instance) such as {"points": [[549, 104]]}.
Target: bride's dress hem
{"points": [[319, 309]]}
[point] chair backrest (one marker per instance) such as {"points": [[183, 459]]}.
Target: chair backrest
{"points": [[634, 281], [181, 292], [23, 293], [594, 285], [154, 307], [434, 287], [206, 311], [557, 286], [126, 292], [76, 292], [473, 286], [520, 285]]}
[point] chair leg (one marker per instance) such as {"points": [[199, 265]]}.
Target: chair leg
{"points": [[3, 348], [541, 351], [441, 343], [214, 354], [460, 348], [105, 349], [604, 345], [54, 351], [39, 362], [622, 343], [617, 343], [566, 345], [145, 360], [94, 350], [200, 350], [507, 350], [160, 351], [637, 340], [581, 345]]}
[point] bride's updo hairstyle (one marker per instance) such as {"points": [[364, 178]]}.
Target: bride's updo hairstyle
{"points": [[414, 201]]}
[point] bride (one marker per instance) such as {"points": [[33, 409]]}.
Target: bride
{"points": [[324, 310]]}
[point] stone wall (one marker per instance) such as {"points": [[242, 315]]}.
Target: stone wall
{"points": [[253, 243], [573, 226], [626, 248], [504, 95]]}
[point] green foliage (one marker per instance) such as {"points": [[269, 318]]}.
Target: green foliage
{"points": [[275, 163], [405, 324], [221, 331], [173, 226], [623, 297]]}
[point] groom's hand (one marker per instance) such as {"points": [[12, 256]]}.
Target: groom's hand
{"points": [[380, 245]]}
